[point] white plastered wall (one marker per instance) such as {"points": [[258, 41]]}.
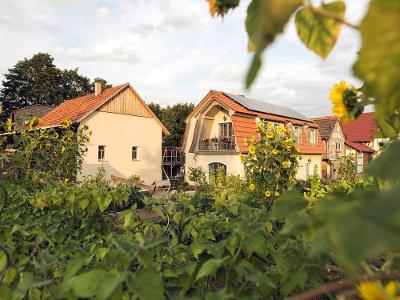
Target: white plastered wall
{"points": [[119, 133], [307, 164]]}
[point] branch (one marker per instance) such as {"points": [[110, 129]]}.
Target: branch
{"points": [[342, 285], [327, 14]]}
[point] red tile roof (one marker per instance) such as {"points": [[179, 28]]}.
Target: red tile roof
{"points": [[360, 130], [359, 147], [76, 109]]}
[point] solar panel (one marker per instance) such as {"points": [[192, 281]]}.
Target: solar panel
{"points": [[265, 107]]}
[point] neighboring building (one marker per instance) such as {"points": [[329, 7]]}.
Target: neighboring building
{"points": [[359, 141], [21, 115], [216, 131], [334, 144], [127, 136]]}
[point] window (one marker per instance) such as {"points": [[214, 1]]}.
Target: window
{"points": [[101, 151], [297, 131], [214, 167], [135, 155], [338, 146], [312, 136], [225, 129]]}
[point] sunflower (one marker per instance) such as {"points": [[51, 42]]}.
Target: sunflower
{"points": [[344, 99], [66, 123], [267, 194], [277, 194], [62, 149], [288, 148], [246, 141], [34, 122], [252, 150], [9, 124], [213, 8], [374, 290], [285, 164], [274, 152], [270, 134], [252, 186]]}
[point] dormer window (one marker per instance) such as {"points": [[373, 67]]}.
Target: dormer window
{"points": [[225, 129], [312, 136], [297, 134]]}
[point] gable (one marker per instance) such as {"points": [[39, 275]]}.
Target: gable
{"points": [[126, 102]]}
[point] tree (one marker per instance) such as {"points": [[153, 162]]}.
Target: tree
{"points": [[173, 117], [104, 84], [38, 81]]}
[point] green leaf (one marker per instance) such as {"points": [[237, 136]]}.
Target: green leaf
{"points": [[9, 276], [210, 267], [387, 165], [289, 203], [256, 243], [75, 265], [265, 20], [3, 260], [198, 247], [378, 60], [319, 33], [96, 282], [27, 281], [148, 285]]}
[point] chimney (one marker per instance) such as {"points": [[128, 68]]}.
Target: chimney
{"points": [[97, 88]]}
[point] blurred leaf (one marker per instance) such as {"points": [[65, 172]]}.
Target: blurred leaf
{"points": [[256, 243], [289, 203], [265, 20], [149, 285], [209, 268], [3, 260], [27, 281], [75, 265], [319, 33], [387, 165], [378, 60]]}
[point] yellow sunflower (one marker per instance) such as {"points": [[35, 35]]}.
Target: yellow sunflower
{"points": [[34, 122], [270, 125], [267, 194], [288, 148], [66, 123], [374, 290], [285, 164], [213, 8], [277, 194], [246, 141], [337, 97], [9, 124], [252, 186], [62, 149], [270, 134], [274, 152], [252, 150]]}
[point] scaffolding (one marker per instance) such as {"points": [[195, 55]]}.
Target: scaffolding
{"points": [[173, 162]]}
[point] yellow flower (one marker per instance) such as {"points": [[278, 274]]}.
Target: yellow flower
{"points": [[337, 97], [23, 133], [241, 156], [246, 141], [66, 123], [293, 155], [48, 146], [1, 109], [34, 122], [274, 152], [267, 194], [62, 149], [277, 194], [213, 8], [253, 138], [288, 148], [252, 186], [9, 124], [270, 125], [66, 180], [252, 150], [285, 164], [374, 290], [270, 134]]}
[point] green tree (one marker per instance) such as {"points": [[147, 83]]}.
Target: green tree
{"points": [[37, 80], [104, 83], [173, 117]]}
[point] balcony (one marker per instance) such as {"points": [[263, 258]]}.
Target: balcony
{"points": [[217, 144]]}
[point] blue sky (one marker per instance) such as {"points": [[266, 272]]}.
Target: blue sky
{"points": [[173, 51]]}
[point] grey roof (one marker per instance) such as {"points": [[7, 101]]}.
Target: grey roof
{"points": [[264, 107]]}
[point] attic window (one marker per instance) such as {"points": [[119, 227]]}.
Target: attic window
{"points": [[312, 136]]}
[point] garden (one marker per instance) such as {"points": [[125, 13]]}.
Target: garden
{"points": [[265, 236]]}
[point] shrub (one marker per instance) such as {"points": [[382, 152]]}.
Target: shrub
{"points": [[197, 175], [347, 168]]}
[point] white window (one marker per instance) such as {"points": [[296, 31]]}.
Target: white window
{"points": [[312, 136], [225, 129], [135, 153], [297, 133], [214, 167], [101, 152]]}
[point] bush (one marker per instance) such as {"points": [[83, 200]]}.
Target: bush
{"points": [[347, 168]]}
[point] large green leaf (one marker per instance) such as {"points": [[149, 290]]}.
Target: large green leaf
{"points": [[319, 33], [148, 285], [3, 260], [290, 202], [265, 20], [387, 165], [379, 60], [210, 267]]}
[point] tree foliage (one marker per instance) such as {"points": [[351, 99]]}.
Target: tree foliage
{"points": [[37, 80], [173, 117]]}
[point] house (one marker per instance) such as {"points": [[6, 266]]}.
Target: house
{"points": [[21, 115], [126, 135], [359, 141], [333, 140], [218, 126]]}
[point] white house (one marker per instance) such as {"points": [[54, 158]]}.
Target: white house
{"points": [[126, 135]]}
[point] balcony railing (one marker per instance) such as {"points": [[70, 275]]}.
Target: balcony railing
{"points": [[217, 144]]}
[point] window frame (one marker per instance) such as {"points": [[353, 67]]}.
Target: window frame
{"points": [[137, 153], [222, 126], [340, 146], [101, 152], [298, 130], [220, 164], [315, 136]]}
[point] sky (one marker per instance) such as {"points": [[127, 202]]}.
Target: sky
{"points": [[173, 51]]}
